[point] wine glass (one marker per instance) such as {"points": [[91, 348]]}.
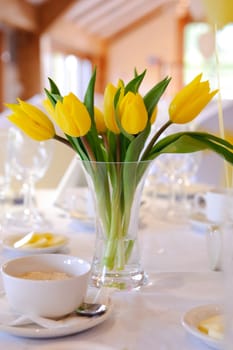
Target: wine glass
{"points": [[5, 176], [29, 161], [178, 171]]}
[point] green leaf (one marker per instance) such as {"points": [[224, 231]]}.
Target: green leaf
{"points": [[135, 83], [112, 145], [78, 147], [92, 136], [53, 98], [219, 149], [89, 95], [187, 142], [136, 146], [53, 87], [153, 96], [124, 142]]}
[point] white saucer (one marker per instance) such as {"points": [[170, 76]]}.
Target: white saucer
{"points": [[193, 317], [199, 222], [34, 331], [8, 245]]}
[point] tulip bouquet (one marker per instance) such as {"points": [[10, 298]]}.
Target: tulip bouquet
{"points": [[119, 138]]}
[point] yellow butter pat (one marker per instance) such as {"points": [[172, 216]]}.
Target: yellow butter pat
{"points": [[213, 326], [39, 240]]}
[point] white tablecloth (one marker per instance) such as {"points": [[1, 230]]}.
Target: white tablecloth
{"points": [[173, 255]]}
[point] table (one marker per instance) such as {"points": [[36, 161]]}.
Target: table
{"points": [[173, 255]]}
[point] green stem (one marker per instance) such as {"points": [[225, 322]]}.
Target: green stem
{"points": [[88, 148], [155, 138], [115, 228], [62, 140]]}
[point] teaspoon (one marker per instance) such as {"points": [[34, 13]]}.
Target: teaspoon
{"points": [[91, 309]]}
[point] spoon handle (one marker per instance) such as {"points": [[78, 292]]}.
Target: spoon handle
{"points": [[91, 309]]}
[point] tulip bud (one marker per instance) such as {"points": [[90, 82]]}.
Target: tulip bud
{"points": [[99, 121], [31, 120], [109, 110], [190, 101], [154, 115], [133, 113], [72, 116]]}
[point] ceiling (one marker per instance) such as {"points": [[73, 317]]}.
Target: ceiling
{"points": [[108, 19], [91, 24]]}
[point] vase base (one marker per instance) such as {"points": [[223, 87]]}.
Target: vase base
{"points": [[122, 281]]}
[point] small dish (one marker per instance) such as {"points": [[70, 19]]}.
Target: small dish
{"points": [[192, 319], [8, 245]]}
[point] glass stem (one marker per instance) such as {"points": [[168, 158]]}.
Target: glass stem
{"points": [[29, 190]]}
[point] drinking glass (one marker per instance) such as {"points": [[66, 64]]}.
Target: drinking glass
{"points": [[29, 160]]}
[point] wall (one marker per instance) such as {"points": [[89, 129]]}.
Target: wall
{"points": [[153, 46]]}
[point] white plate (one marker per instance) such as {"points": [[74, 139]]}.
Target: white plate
{"points": [[192, 319], [34, 331], [8, 245]]}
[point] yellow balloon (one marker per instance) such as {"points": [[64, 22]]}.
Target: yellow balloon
{"points": [[219, 12]]}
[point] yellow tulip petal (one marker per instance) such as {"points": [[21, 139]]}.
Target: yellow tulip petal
{"points": [[133, 113], [154, 115], [36, 114], [31, 129], [49, 107], [189, 102], [194, 108], [109, 111], [32, 121], [99, 121], [185, 93], [72, 116]]}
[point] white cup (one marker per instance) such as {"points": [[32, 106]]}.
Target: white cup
{"points": [[212, 204]]}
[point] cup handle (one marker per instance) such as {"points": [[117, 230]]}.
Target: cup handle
{"points": [[200, 203]]}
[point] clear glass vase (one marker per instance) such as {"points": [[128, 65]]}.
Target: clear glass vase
{"points": [[116, 190]]}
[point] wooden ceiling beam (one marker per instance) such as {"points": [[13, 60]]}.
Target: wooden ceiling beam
{"points": [[83, 7], [18, 14], [107, 10], [51, 11], [69, 35]]}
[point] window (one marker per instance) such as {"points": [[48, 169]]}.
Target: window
{"points": [[69, 72], [200, 56]]}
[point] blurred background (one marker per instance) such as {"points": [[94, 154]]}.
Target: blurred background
{"points": [[64, 39]]}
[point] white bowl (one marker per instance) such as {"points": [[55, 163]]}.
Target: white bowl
{"points": [[46, 298]]}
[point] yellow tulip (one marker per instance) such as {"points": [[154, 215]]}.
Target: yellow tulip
{"points": [[49, 107], [219, 12], [154, 115], [133, 113], [31, 120], [72, 116], [109, 111], [190, 101], [99, 121]]}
